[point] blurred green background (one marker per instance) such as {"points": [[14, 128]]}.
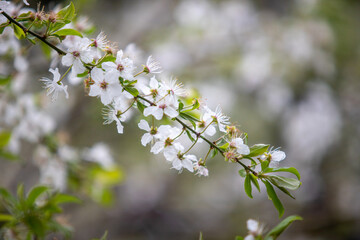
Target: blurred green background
{"points": [[287, 72]]}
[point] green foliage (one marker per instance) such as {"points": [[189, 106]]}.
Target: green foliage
{"points": [[276, 231], [19, 33], [67, 13], [67, 31], [257, 150], [35, 211], [274, 198]]}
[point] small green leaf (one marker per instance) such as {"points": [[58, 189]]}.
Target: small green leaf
{"points": [[19, 33], [133, 91], [181, 106], [189, 136], [66, 32], [284, 169], [201, 236], [6, 218], [289, 183], [224, 147], [257, 150], [8, 155], [274, 198], [254, 180], [284, 190], [247, 186], [276, 231], [239, 238], [264, 165], [140, 106], [20, 191], [108, 58], [214, 152], [64, 198], [242, 172], [56, 26], [67, 13], [34, 194], [4, 138], [5, 79], [7, 196]]}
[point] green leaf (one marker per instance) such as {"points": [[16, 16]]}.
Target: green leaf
{"points": [[274, 198], [242, 172], [257, 150], [289, 183], [189, 135], [264, 165], [108, 58], [35, 193], [65, 198], [133, 91], [276, 231], [181, 105], [214, 152], [20, 191], [4, 138], [6, 218], [46, 50], [7, 196], [247, 186], [140, 106], [67, 31], [5, 79], [67, 13], [224, 147], [201, 236], [284, 169], [8, 155], [56, 26], [239, 238], [19, 33], [284, 190], [254, 180]]}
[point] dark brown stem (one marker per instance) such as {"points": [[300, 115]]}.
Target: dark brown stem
{"points": [[212, 145], [41, 38]]}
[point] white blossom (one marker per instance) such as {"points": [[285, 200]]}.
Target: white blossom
{"points": [[241, 148], [78, 54], [53, 86], [99, 153], [158, 111], [152, 66], [218, 117], [104, 86], [123, 67]]}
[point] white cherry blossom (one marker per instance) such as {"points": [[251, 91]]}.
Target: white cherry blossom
{"points": [[105, 87], [158, 111], [53, 86], [152, 66], [241, 148], [78, 54], [123, 67]]}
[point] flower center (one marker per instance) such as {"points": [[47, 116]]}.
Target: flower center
{"points": [[76, 54], [153, 130], [162, 106], [168, 142], [120, 68], [153, 92], [103, 85], [201, 124]]}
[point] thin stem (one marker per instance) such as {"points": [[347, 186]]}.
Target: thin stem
{"points": [[179, 134], [207, 154], [191, 146], [138, 73], [41, 38], [62, 77]]}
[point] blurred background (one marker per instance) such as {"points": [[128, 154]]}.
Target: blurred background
{"points": [[287, 72]]}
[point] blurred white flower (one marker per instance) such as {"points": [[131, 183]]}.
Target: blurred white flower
{"points": [[53, 86]]}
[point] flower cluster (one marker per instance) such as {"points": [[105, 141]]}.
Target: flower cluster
{"points": [[123, 85]]}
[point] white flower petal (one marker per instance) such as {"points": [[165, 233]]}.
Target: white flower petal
{"points": [[144, 125], [146, 138]]}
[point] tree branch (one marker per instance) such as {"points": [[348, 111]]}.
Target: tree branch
{"points": [[41, 38]]}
